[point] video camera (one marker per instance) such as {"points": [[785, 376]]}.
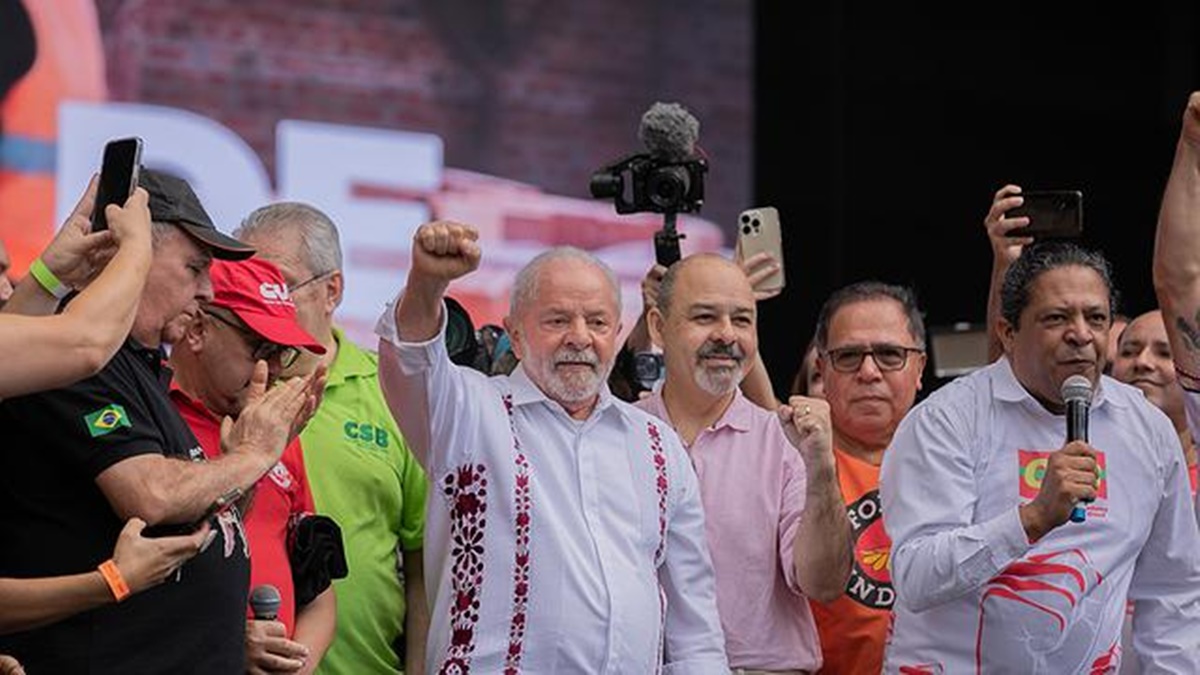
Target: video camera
{"points": [[668, 179], [656, 185]]}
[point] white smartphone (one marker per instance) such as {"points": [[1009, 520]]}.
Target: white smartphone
{"points": [[758, 230]]}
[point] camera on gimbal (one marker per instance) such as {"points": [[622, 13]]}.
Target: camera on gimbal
{"points": [[654, 184]]}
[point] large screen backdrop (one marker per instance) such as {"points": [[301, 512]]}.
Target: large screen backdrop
{"points": [[384, 114]]}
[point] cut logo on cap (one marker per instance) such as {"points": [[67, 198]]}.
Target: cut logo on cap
{"points": [[275, 293], [106, 420]]}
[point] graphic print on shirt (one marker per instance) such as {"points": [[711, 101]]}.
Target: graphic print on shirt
{"points": [[1028, 609], [1032, 470], [870, 581]]}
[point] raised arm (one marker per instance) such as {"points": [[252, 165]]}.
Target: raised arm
{"points": [[58, 349], [442, 251], [821, 550], [1005, 250], [1177, 250]]}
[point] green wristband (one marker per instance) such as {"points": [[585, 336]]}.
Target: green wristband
{"points": [[53, 285]]}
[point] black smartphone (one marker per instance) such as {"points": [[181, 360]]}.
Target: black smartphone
{"points": [[1053, 214], [118, 176]]}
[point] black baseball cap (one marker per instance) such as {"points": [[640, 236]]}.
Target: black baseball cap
{"points": [[173, 201]]}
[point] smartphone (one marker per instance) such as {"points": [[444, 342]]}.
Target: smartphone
{"points": [[1053, 214], [118, 176], [758, 231]]}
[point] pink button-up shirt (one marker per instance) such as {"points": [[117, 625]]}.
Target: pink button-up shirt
{"points": [[752, 485]]}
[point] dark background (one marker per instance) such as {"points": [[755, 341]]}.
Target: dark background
{"points": [[882, 133]]}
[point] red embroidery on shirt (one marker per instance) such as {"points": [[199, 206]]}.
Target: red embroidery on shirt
{"points": [[521, 562], [661, 485], [660, 470], [466, 490]]}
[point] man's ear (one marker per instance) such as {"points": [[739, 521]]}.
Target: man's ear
{"points": [[335, 287], [655, 323], [515, 339], [1007, 334], [196, 332]]}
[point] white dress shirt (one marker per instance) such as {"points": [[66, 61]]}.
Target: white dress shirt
{"points": [[974, 596], [552, 545]]}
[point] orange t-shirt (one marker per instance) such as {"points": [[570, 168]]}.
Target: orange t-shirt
{"points": [[854, 627]]}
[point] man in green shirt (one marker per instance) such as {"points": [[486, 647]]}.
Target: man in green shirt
{"points": [[360, 470]]}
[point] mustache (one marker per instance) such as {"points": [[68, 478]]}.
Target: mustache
{"points": [[585, 356], [731, 350]]}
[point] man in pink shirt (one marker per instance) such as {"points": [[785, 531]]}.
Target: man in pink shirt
{"points": [[776, 526]]}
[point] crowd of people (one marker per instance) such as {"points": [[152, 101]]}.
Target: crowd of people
{"points": [[204, 475]]}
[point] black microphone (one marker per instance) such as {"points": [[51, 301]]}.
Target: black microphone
{"points": [[264, 602], [1077, 395]]}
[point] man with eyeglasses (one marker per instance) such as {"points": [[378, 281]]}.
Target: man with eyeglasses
{"points": [[251, 319], [870, 341], [773, 469], [360, 467], [1015, 548]]}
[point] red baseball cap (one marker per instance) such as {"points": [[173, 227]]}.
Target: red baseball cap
{"points": [[255, 291]]}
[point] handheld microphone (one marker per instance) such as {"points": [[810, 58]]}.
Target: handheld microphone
{"points": [[264, 602], [1077, 395]]}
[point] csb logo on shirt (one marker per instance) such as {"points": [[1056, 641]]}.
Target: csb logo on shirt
{"points": [[366, 434], [1032, 465]]}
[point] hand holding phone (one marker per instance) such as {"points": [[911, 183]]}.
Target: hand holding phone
{"points": [[118, 177], [1053, 214], [759, 232]]}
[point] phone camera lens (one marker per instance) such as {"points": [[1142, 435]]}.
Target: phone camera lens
{"points": [[745, 229], [745, 218]]}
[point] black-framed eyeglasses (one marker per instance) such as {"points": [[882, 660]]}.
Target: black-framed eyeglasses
{"points": [[261, 349], [315, 277], [887, 357]]}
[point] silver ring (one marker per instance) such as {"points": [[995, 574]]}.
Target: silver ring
{"points": [[807, 409]]}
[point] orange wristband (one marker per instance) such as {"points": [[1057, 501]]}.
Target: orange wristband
{"points": [[116, 582]]}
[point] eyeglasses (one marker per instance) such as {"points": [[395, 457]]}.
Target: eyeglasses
{"points": [[261, 349], [887, 357], [315, 277]]}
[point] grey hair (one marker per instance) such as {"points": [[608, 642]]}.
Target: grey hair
{"points": [[525, 287], [863, 291], [158, 233], [320, 249]]}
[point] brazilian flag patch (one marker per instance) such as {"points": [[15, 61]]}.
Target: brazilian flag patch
{"points": [[106, 420]]}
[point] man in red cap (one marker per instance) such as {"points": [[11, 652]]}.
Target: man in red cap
{"points": [[251, 318]]}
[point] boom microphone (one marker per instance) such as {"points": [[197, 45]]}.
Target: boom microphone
{"points": [[1077, 395], [669, 132], [264, 602]]}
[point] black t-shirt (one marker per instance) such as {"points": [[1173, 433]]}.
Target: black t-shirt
{"points": [[54, 520]]}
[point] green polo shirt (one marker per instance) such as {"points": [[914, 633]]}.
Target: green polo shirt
{"points": [[364, 477]]}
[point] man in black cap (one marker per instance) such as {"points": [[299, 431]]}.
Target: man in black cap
{"points": [[78, 461]]}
